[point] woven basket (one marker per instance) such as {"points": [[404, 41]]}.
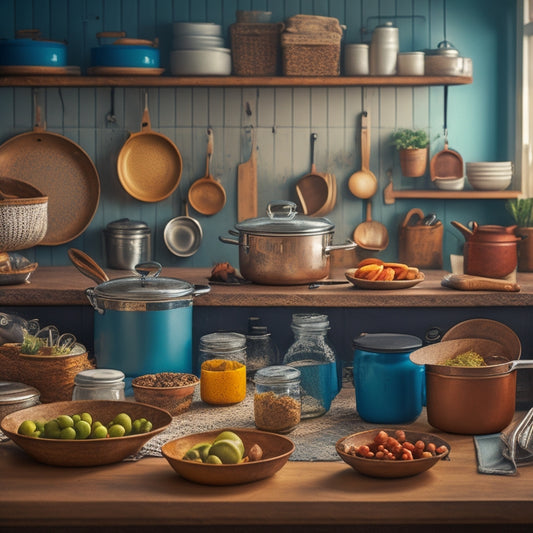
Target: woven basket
{"points": [[23, 215], [255, 48], [311, 54], [52, 376]]}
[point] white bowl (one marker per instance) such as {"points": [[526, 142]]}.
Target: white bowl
{"points": [[489, 173], [489, 164], [489, 184], [196, 28], [447, 184], [208, 62], [197, 42]]}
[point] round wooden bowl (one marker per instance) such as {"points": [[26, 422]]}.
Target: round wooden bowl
{"points": [[389, 469], [276, 452], [85, 452]]}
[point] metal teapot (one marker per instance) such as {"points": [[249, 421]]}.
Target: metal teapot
{"points": [[489, 251]]}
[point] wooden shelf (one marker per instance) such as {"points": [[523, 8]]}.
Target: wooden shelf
{"points": [[390, 195], [229, 81]]}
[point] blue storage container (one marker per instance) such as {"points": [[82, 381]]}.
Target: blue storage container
{"points": [[389, 388]]}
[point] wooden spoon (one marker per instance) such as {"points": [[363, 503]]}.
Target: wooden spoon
{"points": [[206, 195], [363, 183], [371, 235]]}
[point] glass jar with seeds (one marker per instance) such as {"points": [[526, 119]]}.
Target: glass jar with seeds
{"points": [[277, 405]]}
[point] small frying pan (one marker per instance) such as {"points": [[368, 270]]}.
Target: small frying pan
{"points": [[207, 195], [446, 163], [313, 188], [149, 164], [183, 235]]}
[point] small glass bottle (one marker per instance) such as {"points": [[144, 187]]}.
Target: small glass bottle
{"points": [[222, 360], [99, 384], [315, 357], [260, 348], [277, 403]]}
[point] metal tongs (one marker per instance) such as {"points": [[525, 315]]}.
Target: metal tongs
{"points": [[519, 441]]}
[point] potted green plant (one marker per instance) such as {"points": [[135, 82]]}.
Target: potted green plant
{"points": [[521, 209], [412, 146]]}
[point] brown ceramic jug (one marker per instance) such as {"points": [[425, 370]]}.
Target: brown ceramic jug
{"points": [[489, 251]]}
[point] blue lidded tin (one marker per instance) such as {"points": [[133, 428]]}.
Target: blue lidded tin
{"points": [[389, 387]]}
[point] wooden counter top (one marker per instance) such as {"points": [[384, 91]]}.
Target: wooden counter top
{"points": [[314, 495], [64, 286]]}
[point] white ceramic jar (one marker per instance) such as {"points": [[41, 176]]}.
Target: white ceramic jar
{"points": [[384, 50], [356, 59], [411, 64]]}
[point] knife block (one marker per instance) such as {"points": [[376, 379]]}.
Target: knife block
{"points": [[421, 246]]}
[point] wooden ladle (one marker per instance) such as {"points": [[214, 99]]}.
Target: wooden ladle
{"points": [[206, 195], [363, 183], [371, 235]]}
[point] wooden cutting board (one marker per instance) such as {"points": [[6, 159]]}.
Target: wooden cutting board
{"points": [[247, 186], [464, 282]]}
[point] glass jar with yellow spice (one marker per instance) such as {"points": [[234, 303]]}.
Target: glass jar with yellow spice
{"points": [[222, 359]]}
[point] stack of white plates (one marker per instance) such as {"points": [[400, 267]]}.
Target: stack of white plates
{"points": [[198, 50], [490, 175]]}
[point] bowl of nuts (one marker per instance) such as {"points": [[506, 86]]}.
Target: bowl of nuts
{"points": [[171, 391], [392, 454]]}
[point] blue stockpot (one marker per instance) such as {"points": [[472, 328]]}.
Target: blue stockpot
{"points": [[389, 387], [32, 52], [143, 325], [125, 55]]}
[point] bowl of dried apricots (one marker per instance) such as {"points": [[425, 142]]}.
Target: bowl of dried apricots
{"points": [[392, 453], [373, 273]]}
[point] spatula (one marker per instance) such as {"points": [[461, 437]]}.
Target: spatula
{"points": [[247, 186]]}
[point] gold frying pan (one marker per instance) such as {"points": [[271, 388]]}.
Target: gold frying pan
{"points": [[149, 164], [62, 170]]}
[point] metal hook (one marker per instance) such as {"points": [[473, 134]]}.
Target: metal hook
{"points": [[110, 117]]}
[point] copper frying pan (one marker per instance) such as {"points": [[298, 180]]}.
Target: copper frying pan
{"points": [[446, 163], [62, 170], [149, 164]]}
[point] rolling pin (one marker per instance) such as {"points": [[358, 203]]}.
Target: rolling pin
{"points": [[465, 282]]}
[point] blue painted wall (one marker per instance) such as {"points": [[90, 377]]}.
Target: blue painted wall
{"points": [[481, 120]]}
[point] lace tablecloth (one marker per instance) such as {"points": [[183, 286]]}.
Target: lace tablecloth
{"points": [[314, 438]]}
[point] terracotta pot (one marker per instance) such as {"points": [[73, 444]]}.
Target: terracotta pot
{"points": [[413, 162], [490, 251]]}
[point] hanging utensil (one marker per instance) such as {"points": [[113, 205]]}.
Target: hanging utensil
{"points": [[206, 195], [363, 183], [149, 164], [183, 235], [247, 185], [312, 189], [371, 235], [62, 170], [446, 164]]}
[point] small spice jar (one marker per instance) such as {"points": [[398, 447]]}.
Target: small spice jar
{"points": [[16, 396], [99, 384], [277, 404], [222, 359]]}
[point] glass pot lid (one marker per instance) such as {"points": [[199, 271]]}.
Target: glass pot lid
{"points": [[14, 392], [147, 286], [282, 218]]}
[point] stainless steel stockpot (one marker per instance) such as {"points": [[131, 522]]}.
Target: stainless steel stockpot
{"points": [[285, 248]]}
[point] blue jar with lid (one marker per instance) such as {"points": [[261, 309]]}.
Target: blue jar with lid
{"points": [[389, 387]]}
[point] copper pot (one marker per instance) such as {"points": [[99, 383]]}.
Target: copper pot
{"points": [[470, 400], [489, 251]]}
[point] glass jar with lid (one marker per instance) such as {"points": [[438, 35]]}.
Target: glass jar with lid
{"points": [[277, 403], [99, 384], [222, 361], [315, 358]]}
